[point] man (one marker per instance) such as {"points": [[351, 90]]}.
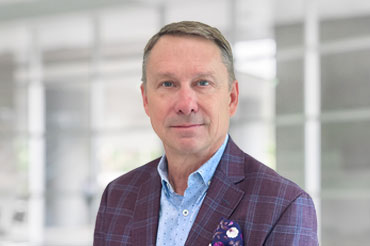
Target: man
{"points": [[204, 190]]}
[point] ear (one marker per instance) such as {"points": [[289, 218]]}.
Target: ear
{"points": [[145, 98], [234, 97]]}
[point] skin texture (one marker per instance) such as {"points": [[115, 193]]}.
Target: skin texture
{"points": [[189, 102]]}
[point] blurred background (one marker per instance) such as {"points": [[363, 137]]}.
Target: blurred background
{"points": [[71, 116]]}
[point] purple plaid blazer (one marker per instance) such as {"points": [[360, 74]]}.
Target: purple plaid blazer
{"points": [[270, 209]]}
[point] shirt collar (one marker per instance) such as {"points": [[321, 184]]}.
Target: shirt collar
{"points": [[206, 171]]}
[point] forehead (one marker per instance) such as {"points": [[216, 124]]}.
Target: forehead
{"points": [[184, 52], [184, 43]]}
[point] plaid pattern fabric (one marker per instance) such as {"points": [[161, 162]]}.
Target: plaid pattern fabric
{"points": [[269, 209]]}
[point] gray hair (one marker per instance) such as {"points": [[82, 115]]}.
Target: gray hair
{"points": [[198, 29]]}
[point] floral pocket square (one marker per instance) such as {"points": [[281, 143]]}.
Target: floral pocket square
{"points": [[228, 232]]}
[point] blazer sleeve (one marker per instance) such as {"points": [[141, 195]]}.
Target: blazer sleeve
{"points": [[100, 230], [297, 225]]}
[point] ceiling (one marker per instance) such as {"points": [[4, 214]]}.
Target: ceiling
{"points": [[282, 10], [237, 19]]}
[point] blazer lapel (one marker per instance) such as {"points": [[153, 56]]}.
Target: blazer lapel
{"points": [[146, 215], [222, 197]]}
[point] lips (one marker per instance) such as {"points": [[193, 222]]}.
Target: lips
{"points": [[191, 121], [186, 126]]}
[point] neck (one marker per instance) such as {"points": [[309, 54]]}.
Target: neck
{"points": [[179, 170], [181, 165]]}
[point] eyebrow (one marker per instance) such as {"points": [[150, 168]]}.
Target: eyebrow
{"points": [[165, 74], [208, 74]]}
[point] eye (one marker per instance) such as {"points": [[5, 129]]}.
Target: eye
{"points": [[203, 83], [167, 84]]}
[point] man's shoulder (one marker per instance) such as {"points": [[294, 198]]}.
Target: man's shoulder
{"points": [[269, 181], [275, 200], [259, 179], [136, 177]]}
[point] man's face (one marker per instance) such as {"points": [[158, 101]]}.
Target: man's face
{"points": [[187, 95]]}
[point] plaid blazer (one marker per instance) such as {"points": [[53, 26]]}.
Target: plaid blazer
{"points": [[269, 209]]}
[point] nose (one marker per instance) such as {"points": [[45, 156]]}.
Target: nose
{"points": [[186, 101]]}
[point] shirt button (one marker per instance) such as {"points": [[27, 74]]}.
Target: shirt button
{"points": [[185, 212], [209, 183]]}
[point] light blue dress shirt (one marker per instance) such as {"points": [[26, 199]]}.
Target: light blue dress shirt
{"points": [[177, 213]]}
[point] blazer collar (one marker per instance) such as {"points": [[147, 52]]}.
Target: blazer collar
{"points": [[221, 200], [222, 197]]}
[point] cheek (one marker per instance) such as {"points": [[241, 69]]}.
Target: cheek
{"points": [[157, 110], [215, 109], [223, 110]]}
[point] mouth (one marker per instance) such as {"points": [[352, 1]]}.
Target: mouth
{"points": [[186, 126]]}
